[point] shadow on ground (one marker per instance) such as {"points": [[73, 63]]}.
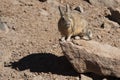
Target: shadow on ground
{"points": [[100, 77], [115, 16], [45, 62]]}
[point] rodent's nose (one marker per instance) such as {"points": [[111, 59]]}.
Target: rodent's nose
{"points": [[68, 23]]}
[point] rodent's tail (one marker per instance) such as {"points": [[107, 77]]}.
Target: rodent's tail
{"points": [[89, 33]]}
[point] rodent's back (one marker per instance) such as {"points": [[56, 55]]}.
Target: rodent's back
{"points": [[79, 23]]}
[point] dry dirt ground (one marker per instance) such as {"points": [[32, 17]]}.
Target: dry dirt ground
{"points": [[31, 43]]}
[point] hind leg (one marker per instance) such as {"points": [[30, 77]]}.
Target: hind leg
{"points": [[87, 35]]}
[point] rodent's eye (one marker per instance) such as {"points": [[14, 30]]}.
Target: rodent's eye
{"points": [[70, 17]]}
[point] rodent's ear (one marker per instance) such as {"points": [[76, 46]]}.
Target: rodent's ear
{"points": [[67, 8], [61, 11]]}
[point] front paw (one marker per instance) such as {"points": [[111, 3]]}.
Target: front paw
{"points": [[62, 39], [68, 40], [86, 38]]}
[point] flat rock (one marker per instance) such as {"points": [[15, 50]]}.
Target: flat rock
{"points": [[92, 56]]}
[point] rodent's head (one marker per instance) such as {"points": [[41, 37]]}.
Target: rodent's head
{"points": [[66, 17]]}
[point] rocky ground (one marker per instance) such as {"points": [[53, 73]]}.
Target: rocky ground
{"points": [[29, 37]]}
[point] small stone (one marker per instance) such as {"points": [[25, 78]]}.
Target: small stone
{"points": [[3, 27], [77, 37], [80, 9], [99, 37], [83, 77], [104, 79], [44, 12]]}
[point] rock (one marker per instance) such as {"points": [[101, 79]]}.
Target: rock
{"points": [[44, 12], [115, 15], [107, 26], [3, 27], [54, 2], [99, 37], [77, 37], [80, 9], [104, 79], [108, 4], [91, 56], [83, 77]]}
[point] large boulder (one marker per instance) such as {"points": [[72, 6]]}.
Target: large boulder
{"points": [[91, 56]]}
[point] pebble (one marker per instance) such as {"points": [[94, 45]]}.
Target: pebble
{"points": [[3, 27], [83, 77], [44, 12], [99, 37], [77, 37], [80, 9]]}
